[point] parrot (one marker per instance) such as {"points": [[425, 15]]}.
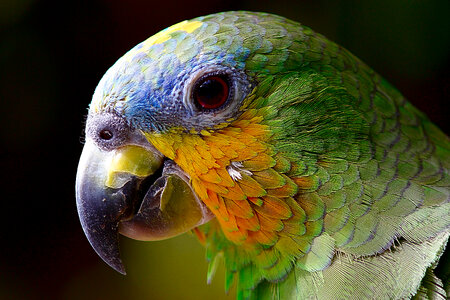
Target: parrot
{"points": [[296, 166]]}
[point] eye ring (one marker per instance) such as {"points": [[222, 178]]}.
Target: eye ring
{"points": [[198, 117], [211, 91]]}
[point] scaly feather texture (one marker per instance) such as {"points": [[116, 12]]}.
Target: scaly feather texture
{"points": [[325, 183]]}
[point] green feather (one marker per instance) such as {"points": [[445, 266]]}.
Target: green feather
{"points": [[377, 167]]}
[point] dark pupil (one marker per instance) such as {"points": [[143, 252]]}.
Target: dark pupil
{"points": [[106, 134], [212, 92]]}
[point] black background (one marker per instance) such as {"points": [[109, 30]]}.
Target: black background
{"points": [[53, 53]]}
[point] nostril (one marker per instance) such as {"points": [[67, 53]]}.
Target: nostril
{"points": [[106, 134], [108, 131]]}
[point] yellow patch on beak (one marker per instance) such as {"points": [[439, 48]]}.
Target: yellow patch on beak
{"points": [[131, 160]]}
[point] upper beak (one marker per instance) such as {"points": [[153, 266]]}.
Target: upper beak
{"points": [[132, 191]]}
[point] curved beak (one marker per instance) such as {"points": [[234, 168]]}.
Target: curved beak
{"points": [[132, 191]]}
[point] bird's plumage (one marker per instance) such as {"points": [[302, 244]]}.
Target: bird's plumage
{"points": [[324, 181]]}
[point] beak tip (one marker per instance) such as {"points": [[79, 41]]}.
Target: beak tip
{"points": [[110, 255], [118, 266], [106, 244]]}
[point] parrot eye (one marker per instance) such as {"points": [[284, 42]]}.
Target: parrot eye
{"points": [[211, 91], [212, 94]]}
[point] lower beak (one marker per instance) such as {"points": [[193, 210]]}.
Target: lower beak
{"points": [[133, 191]]}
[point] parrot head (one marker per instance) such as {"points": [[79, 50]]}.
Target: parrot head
{"points": [[200, 121], [171, 127]]}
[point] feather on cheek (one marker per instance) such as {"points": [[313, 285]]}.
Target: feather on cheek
{"points": [[238, 176]]}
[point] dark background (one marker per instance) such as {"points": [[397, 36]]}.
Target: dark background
{"points": [[53, 53]]}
